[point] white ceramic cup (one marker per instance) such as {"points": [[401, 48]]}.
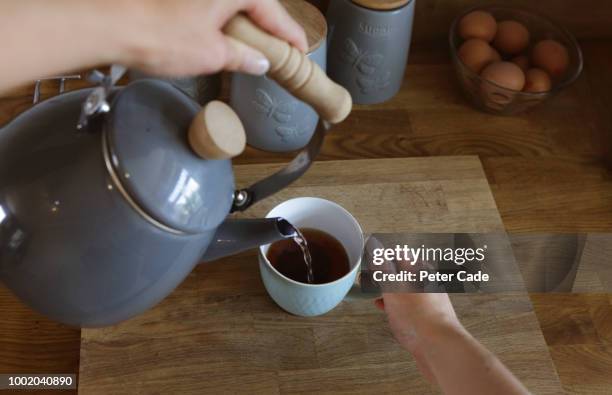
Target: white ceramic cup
{"points": [[314, 299]]}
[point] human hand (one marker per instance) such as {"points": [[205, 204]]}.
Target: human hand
{"points": [[425, 324], [446, 354], [185, 37], [412, 314], [409, 308]]}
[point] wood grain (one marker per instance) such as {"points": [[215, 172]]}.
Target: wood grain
{"points": [[584, 369], [311, 19], [220, 324], [578, 329], [31, 343], [216, 132], [549, 170], [577, 318]]}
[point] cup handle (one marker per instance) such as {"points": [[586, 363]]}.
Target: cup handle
{"points": [[245, 198], [356, 293]]}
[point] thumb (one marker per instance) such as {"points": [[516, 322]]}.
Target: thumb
{"points": [[242, 58]]}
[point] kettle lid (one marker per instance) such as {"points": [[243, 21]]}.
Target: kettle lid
{"points": [[147, 139]]}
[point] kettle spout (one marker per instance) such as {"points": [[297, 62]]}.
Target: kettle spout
{"points": [[238, 235]]}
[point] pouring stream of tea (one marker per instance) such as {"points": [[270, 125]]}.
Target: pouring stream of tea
{"points": [[300, 240]]}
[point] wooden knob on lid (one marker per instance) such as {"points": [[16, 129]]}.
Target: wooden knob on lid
{"points": [[216, 132], [311, 20]]}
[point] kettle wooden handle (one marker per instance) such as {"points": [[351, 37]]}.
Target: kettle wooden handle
{"points": [[294, 71]]}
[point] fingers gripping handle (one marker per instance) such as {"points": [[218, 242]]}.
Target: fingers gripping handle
{"points": [[294, 71]]}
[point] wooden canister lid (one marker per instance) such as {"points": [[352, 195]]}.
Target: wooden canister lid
{"points": [[383, 5], [310, 18]]}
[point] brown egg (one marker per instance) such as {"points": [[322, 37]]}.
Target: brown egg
{"points": [[476, 54], [478, 24], [537, 81], [521, 61], [505, 74], [551, 56], [512, 37]]}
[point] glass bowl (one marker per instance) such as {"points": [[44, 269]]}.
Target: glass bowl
{"points": [[490, 97]]}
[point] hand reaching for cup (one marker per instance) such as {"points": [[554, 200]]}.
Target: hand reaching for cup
{"points": [[409, 310], [426, 325]]}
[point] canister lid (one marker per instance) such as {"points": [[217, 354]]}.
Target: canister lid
{"points": [[310, 18], [384, 5]]}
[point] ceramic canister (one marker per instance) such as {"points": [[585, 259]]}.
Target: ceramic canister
{"points": [[202, 88], [274, 119], [369, 42]]}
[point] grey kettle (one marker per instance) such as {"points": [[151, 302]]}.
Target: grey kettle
{"points": [[101, 223]]}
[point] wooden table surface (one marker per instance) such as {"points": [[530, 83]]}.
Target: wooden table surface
{"points": [[549, 170], [220, 330]]}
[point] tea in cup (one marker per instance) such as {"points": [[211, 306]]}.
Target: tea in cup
{"points": [[335, 244]]}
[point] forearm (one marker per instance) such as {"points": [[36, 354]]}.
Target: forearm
{"points": [[461, 365], [43, 37], [162, 37]]}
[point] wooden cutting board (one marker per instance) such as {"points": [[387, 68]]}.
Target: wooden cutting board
{"points": [[220, 332]]}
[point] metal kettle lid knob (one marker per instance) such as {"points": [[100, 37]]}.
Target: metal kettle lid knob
{"points": [[216, 132]]}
